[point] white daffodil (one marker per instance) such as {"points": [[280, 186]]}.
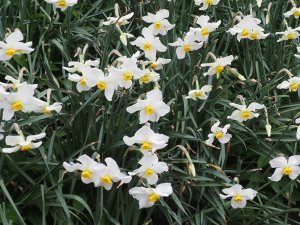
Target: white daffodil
{"points": [[202, 33], [248, 28], [45, 107], [62, 4], [290, 167], [218, 66], [13, 45], [3, 95], [123, 20], [148, 140], [297, 121], [289, 34], [22, 100], [148, 76], [77, 66], [19, 142], [159, 22], [298, 50], [199, 93], [1, 131], [239, 196], [244, 113], [291, 84], [148, 196], [186, 45], [149, 43], [15, 83], [109, 174], [87, 166], [124, 37], [80, 82], [219, 133], [152, 108], [157, 64], [95, 77], [150, 168], [206, 3], [293, 12]]}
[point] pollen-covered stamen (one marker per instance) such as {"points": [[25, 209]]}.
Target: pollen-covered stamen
{"points": [[238, 198], [146, 145], [149, 172], [10, 52], [287, 170], [187, 48], [219, 69], [153, 197], [17, 105], [219, 134], [82, 82], [293, 86], [102, 85], [127, 76], [25, 148], [86, 174], [205, 31], [149, 109], [245, 114], [198, 93], [148, 46], [291, 36], [106, 179], [62, 3], [245, 32], [157, 25]]}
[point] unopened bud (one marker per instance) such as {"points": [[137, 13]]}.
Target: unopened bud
{"points": [[191, 169], [268, 129]]}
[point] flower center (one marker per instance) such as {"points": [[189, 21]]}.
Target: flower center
{"points": [[209, 2], [291, 36], [187, 48], [145, 78], [10, 52], [245, 32], [219, 134], [245, 114], [148, 46], [297, 13], [153, 197], [205, 31], [146, 145], [149, 172], [17, 105], [127, 76], [102, 85], [294, 86], [238, 198], [219, 69], [287, 170], [62, 3], [25, 148], [82, 81], [46, 111], [254, 36], [157, 25], [149, 109], [198, 93], [153, 65], [87, 174], [106, 179]]}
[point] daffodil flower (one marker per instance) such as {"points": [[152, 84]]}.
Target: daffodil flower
{"points": [[15, 83], [62, 4], [80, 82], [46, 107], [124, 37], [148, 140], [19, 142], [293, 12], [152, 108], [3, 95], [186, 45], [206, 3], [218, 66], [157, 64], [248, 28], [123, 20], [159, 22], [148, 76], [150, 168], [244, 113], [148, 196], [289, 34], [87, 166], [297, 121], [149, 43], [219, 133], [199, 93], [13, 45], [239, 196], [109, 174], [284, 167], [95, 77], [77, 66], [1, 131], [202, 33], [22, 100], [291, 84]]}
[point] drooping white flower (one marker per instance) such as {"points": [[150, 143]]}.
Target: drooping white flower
{"points": [[1, 131], [199, 93], [13, 45], [109, 174], [248, 28], [62, 4], [19, 142], [148, 196], [119, 20], [244, 113], [206, 3], [219, 133], [289, 34], [297, 121], [218, 66], [294, 11], [77, 66], [148, 76], [202, 33], [157, 64], [124, 36], [239, 196], [150, 168], [159, 22], [15, 83], [291, 84], [149, 43], [186, 45], [151, 108], [148, 140], [290, 167], [46, 107]]}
